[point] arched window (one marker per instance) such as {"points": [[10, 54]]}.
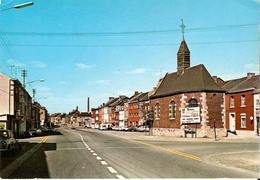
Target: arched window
{"points": [[157, 111], [193, 103], [172, 110]]}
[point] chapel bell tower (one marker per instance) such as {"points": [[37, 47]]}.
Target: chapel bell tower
{"points": [[183, 55]]}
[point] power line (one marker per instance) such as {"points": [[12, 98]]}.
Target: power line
{"points": [[131, 32], [125, 45]]}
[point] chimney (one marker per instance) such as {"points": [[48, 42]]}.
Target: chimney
{"points": [[88, 105], [136, 93], [76, 108], [249, 75], [110, 98], [215, 79]]}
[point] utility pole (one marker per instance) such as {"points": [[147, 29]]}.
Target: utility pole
{"points": [[34, 92], [24, 74]]}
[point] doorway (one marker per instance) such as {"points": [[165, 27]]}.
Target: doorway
{"points": [[232, 122]]}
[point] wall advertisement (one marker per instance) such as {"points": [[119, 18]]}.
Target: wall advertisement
{"points": [[190, 115]]}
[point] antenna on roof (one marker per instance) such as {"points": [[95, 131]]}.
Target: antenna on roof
{"points": [[182, 28]]}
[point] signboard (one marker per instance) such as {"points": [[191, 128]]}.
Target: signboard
{"points": [[2, 125], [190, 115]]}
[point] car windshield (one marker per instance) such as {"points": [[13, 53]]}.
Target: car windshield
{"points": [[3, 134]]}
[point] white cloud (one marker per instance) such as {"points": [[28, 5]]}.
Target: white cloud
{"points": [[251, 66], [103, 82], [38, 64], [138, 71], [84, 66]]}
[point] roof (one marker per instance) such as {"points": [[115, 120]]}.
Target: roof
{"points": [[250, 83], [233, 83], [140, 97], [183, 47], [195, 78]]}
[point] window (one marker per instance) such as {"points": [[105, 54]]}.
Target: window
{"points": [[157, 111], [193, 103], [243, 120], [232, 101], [172, 110], [243, 100]]}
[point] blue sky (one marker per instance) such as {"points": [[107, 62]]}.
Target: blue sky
{"points": [[103, 48]]}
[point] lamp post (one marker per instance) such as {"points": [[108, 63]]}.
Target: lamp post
{"points": [[18, 6], [41, 80]]}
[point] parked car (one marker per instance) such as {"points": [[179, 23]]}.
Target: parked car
{"points": [[126, 128], [102, 128], [116, 128], [73, 127], [141, 129], [34, 132], [130, 128], [121, 128], [109, 128], [7, 140]]}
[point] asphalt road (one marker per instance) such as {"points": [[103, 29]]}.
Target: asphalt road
{"points": [[90, 153]]}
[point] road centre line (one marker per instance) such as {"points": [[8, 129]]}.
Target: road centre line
{"points": [[44, 139], [120, 177], [168, 150]]}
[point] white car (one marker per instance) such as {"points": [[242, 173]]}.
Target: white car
{"points": [[7, 140]]}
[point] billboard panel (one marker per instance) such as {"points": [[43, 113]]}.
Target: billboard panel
{"points": [[190, 115]]}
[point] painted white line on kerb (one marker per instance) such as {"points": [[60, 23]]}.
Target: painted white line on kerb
{"points": [[99, 158], [112, 170], [120, 177], [92, 151], [94, 154], [104, 162]]}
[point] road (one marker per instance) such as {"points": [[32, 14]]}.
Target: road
{"points": [[90, 153]]}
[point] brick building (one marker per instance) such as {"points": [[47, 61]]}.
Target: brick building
{"points": [[188, 101], [239, 104]]}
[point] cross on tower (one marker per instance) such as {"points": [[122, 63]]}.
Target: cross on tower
{"points": [[182, 28]]}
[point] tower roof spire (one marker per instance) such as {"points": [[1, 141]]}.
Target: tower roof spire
{"points": [[182, 28]]}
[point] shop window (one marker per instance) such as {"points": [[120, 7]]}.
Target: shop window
{"points": [[193, 103], [243, 120]]}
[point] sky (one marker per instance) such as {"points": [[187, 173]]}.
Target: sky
{"points": [[106, 48]]}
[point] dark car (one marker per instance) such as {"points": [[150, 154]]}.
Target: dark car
{"points": [[7, 140]]}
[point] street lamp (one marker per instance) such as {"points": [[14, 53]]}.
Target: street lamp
{"points": [[19, 6], [41, 80]]}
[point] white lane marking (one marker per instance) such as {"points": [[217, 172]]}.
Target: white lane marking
{"points": [[120, 177], [104, 162], [112, 170]]}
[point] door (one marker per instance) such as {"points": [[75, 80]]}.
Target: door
{"points": [[232, 122]]}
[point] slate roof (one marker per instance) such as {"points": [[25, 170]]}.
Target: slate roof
{"points": [[251, 83], [194, 79], [183, 47], [140, 97], [233, 83]]}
